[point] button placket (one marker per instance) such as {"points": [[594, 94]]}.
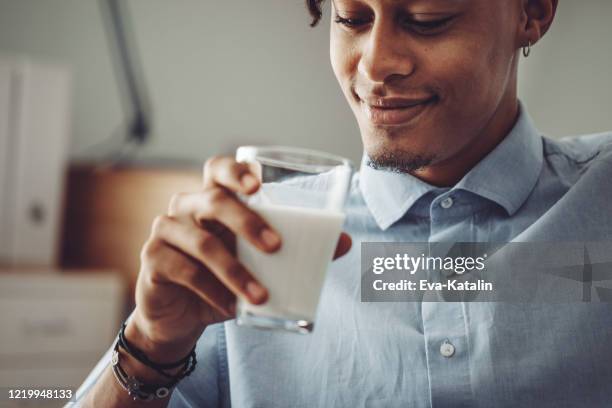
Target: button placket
{"points": [[446, 335]]}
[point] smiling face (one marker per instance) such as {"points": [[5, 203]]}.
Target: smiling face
{"points": [[427, 80]]}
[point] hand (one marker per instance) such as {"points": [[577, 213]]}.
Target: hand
{"points": [[190, 276]]}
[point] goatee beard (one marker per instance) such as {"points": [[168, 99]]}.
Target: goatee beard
{"points": [[397, 161]]}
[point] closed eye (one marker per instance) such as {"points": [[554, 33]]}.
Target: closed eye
{"points": [[351, 22], [421, 27], [425, 26]]}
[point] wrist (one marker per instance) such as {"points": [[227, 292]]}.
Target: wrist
{"points": [[134, 368], [140, 382], [160, 351]]}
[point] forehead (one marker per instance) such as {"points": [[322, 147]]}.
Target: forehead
{"points": [[420, 6], [406, 3]]}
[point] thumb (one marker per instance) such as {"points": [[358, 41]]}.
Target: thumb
{"points": [[343, 246]]}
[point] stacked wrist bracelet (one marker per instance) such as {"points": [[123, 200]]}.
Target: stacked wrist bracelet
{"points": [[140, 390]]}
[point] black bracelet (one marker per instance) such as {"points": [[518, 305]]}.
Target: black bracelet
{"points": [[188, 362], [137, 389]]}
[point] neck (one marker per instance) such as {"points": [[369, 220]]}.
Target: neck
{"points": [[450, 171]]}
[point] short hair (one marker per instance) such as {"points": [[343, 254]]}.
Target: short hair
{"points": [[314, 7]]}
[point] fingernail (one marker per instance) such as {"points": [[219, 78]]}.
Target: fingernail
{"points": [[249, 181], [270, 238], [256, 291]]}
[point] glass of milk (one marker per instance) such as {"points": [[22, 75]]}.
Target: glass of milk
{"points": [[302, 196]]}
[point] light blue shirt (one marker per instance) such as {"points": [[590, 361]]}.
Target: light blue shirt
{"points": [[528, 189]]}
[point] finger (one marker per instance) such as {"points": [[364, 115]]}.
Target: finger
{"points": [[170, 265], [212, 253], [226, 172], [219, 205], [344, 245]]}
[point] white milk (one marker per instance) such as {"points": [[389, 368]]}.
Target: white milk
{"points": [[294, 275]]}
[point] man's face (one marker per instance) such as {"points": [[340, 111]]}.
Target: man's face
{"points": [[424, 78]]}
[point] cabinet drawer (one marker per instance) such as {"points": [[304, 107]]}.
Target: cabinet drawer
{"points": [[58, 314]]}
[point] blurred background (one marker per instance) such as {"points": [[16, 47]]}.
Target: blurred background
{"points": [[108, 107]]}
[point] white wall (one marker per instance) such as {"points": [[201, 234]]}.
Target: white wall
{"points": [[567, 80], [221, 73], [228, 72]]}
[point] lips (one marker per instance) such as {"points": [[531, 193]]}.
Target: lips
{"points": [[394, 111]]}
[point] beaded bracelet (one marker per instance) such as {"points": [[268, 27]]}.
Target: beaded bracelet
{"points": [[158, 367], [136, 388]]}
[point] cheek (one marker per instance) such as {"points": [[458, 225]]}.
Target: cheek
{"points": [[485, 66], [343, 60], [465, 71], [486, 81]]}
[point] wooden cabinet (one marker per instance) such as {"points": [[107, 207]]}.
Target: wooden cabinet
{"points": [[109, 212]]}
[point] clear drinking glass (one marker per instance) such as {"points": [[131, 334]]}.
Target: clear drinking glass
{"points": [[302, 196]]}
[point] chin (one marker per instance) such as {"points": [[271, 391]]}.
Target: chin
{"points": [[386, 154]]}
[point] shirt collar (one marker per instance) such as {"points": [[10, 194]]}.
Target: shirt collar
{"points": [[505, 176]]}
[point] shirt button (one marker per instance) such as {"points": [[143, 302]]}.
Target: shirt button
{"points": [[447, 349], [446, 203]]}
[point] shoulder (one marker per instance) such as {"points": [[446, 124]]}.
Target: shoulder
{"points": [[585, 159], [578, 150]]}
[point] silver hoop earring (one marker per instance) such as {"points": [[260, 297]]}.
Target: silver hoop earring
{"points": [[527, 49]]}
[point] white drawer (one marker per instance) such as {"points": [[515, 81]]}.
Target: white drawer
{"points": [[58, 314]]}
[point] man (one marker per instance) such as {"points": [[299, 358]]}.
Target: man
{"points": [[450, 155]]}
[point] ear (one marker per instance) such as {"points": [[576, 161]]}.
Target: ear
{"points": [[536, 18]]}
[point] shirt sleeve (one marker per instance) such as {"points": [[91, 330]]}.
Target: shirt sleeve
{"points": [[208, 385], [205, 387]]}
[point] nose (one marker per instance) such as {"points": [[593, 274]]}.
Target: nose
{"points": [[386, 54]]}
